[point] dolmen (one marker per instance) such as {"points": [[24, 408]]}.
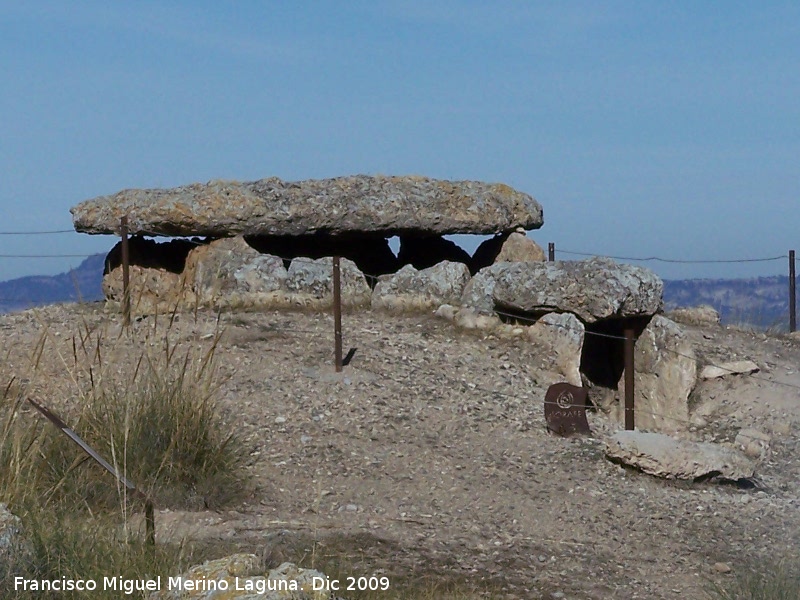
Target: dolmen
{"points": [[269, 244]]}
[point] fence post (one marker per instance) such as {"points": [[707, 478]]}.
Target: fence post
{"points": [[149, 521], [551, 251], [629, 412], [792, 294], [126, 288], [337, 313]]}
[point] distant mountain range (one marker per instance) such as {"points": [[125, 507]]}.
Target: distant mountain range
{"points": [[82, 284], [762, 301]]}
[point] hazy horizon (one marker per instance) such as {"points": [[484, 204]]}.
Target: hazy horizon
{"points": [[644, 129]]}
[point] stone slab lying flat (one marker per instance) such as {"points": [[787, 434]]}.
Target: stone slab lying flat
{"points": [[593, 289], [738, 367], [663, 456], [378, 205]]}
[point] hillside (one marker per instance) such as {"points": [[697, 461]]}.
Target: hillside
{"points": [[428, 458], [761, 301], [80, 284]]}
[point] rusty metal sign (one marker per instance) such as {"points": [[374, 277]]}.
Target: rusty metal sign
{"points": [[565, 409]]}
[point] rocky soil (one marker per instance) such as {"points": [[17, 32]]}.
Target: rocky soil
{"points": [[429, 455]]}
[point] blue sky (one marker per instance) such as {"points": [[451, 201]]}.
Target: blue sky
{"points": [[644, 128]]}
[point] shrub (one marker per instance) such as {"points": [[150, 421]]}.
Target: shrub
{"points": [[157, 421], [154, 418], [768, 581]]}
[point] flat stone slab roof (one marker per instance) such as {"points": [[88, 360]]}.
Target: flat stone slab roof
{"points": [[359, 204]]}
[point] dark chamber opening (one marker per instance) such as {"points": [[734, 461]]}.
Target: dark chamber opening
{"points": [[603, 355], [150, 254]]}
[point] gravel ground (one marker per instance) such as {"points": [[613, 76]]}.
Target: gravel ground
{"points": [[430, 451]]}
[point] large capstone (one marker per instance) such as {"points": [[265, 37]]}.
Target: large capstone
{"points": [[593, 290], [343, 205]]}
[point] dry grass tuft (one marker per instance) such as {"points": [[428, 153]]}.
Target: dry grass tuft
{"points": [[147, 404]]}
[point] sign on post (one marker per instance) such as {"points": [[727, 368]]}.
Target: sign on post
{"points": [[565, 409]]}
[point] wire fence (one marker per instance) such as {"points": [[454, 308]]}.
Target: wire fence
{"points": [[790, 313], [51, 232], [790, 256], [516, 318]]}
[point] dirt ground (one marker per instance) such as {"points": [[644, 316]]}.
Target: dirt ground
{"points": [[429, 455]]}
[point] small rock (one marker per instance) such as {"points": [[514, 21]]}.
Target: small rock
{"points": [[753, 443], [702, 315], [722, 567], [561, 338], [446, 311], [15, 548], [244, 572], [469, 319], [739, 367]]}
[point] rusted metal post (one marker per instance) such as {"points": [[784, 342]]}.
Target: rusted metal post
{"points": [[792, 294], [337, 313], [126, 288], [551, 251], [150, 521], [149, 512], [629, 345]]}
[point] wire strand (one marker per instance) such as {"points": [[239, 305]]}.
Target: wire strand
{"points": [[676, 260], [54, 231], [48, 255]]}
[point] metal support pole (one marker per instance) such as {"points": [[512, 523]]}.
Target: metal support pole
{"points": [[629, 346], [337, 313], [792, 294], [126, 288], [551, 251]]}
